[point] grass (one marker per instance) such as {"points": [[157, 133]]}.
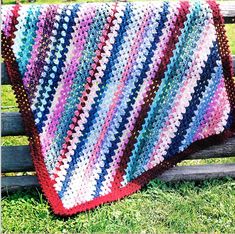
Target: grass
{"points": [[161, 207], [230, 29], [186, 207]]}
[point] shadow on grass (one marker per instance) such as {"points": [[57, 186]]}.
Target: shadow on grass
{"points": [[181, 187], [180, 207]]}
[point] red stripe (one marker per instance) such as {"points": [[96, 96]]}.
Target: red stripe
{"points": [[87, 88], [168, 52], [225, 55]]}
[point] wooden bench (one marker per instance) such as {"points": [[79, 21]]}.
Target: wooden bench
{"points": [[17, 158]]}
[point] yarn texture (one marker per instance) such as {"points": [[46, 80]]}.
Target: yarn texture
{"points": [[114, 94]]}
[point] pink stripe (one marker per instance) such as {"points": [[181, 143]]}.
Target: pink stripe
{"points": [[85, 169], [80, 118], [145, 87], [217, 112], [67, 78], [7, 21], [32, 66], [181, 101], [134, 50]]}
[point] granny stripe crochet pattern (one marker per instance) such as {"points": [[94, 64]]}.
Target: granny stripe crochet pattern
{"points": [[113, 94]]}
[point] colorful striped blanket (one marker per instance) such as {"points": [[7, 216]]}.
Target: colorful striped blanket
{"points": [[114, 94]]}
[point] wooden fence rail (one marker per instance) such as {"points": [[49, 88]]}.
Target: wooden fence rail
{"points": [[24, 162]]}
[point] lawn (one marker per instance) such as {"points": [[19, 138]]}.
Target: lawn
{"points": [[161, 207], [186, 207]]}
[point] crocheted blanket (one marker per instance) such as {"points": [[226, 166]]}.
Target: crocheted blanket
{"points": [[114, 94]]}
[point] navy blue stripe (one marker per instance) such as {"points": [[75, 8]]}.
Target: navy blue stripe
{"points": [[160, 111], [195, 101], [133, 96], [230, 121], [79, 81], [102, 87], [59, 67]]}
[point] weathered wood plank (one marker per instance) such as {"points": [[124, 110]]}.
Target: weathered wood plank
{"points": [[12, 124], [228, 11], [178, 173], [226, 149], [4, 77], [199, 172], [18, 159], [13, 183]]}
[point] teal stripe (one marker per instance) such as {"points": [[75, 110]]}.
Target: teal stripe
{"points": [[29, 33], [170, 85], [203, 107], [79, 81]]}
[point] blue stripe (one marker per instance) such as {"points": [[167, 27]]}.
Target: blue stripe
{"points": [[230, 120], [167, 91], [132, 98], [95, 106], [50, 88], [201, 111], [78, 83], [195, 101], [29, 34]]}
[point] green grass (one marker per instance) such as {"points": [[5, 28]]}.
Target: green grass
{"points": [[8, 99], [161, 207], [230, 29], [186, 207]]}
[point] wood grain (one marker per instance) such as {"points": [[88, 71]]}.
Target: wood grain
{"points": [[12, 124], [178, 173], [228, 11], [17, 158]]}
